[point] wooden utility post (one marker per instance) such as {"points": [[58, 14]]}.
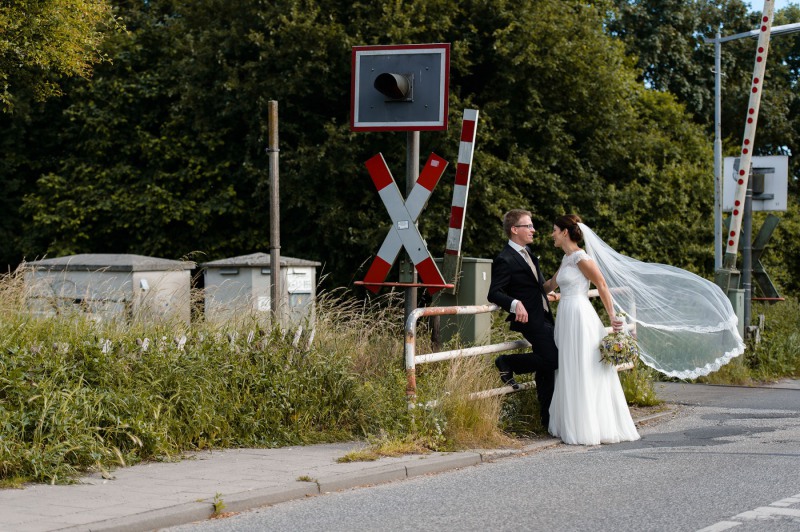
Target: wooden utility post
{"points": [[276, 292]]}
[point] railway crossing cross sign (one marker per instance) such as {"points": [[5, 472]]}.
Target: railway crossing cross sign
{"points": [[404, 232]]}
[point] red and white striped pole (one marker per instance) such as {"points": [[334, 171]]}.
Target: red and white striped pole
{"points": [[451, 264], [749, 135]]}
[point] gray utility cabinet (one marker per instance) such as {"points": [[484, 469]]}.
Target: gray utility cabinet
{"points": [[111, 286], [473, 287], [240, 287], [736, 297]]}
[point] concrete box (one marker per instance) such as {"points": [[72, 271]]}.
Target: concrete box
{"points": [[239, 287], [111, 286]]}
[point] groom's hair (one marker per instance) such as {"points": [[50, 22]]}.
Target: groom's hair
{"points": [[511, 218]]}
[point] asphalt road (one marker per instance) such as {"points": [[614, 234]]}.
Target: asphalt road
{"points": [[728, 458]]}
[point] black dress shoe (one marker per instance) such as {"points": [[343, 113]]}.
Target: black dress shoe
{"points": [[508, 380]]}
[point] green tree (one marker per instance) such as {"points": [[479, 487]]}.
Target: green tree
{"points": [[42, 41], [162, 151], [42, 44], [667, 39]]}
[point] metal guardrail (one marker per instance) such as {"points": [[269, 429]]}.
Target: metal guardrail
{"points": [[412, 359]]}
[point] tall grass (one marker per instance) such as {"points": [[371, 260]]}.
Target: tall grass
{"points": [[79, 394], [776, 354], [471, 423], [637, 384]]}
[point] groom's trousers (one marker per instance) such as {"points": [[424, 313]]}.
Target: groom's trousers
{"points": [[543, 362]]}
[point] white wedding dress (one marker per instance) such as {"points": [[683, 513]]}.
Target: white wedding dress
{"points": [[589, 406]]}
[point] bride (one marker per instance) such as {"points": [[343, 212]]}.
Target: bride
{"points": [[588, 406], [685, 327]]}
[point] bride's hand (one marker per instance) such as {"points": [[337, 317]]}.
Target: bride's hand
{"points": [[617, 323]]}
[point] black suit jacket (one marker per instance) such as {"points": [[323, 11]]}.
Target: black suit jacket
{"points": [[512, 279]]}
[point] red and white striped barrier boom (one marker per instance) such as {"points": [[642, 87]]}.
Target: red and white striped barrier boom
{"points": [[749, 135], [404, 214], [451, 264]]}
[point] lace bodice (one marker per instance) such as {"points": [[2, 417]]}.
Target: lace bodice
{"points": [[571, 280]]}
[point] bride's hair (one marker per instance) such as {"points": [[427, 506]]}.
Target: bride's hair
{"points": [[570, 223]]}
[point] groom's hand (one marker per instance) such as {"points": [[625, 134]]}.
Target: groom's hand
{"points": [[521, 315]]}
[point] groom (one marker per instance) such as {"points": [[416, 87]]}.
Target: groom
{"points": [[518, 287]]}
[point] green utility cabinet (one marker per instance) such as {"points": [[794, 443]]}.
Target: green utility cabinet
{"points": [[473, 287]]}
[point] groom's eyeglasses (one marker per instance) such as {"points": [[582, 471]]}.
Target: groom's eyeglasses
{"points": [[529, 226]]}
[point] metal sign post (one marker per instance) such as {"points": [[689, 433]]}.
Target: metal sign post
{"points": [[408, 272]]}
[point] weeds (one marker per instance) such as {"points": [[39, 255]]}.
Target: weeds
{"points": [[218, 503], [777, 355], [78, 394], [637, 384], [386, 447], [471, 423]]}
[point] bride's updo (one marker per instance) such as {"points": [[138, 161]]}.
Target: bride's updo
{"points": [[570, 223]]}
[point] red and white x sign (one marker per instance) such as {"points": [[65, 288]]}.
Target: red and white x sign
{"points": [[404, 214]]}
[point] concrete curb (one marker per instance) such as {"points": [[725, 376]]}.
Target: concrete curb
{"points": [[438, 464], [672, 410], [376, 475], [246, 500], [180, 514]]}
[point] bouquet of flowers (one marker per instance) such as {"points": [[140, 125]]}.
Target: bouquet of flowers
{"points": [[619, 348]]}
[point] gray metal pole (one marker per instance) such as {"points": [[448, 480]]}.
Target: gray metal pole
{"points": [[412, 173], [717, 154], [276, 291], [747, 250]]}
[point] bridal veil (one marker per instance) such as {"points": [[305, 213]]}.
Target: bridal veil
{"points": [[685, 325]]}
